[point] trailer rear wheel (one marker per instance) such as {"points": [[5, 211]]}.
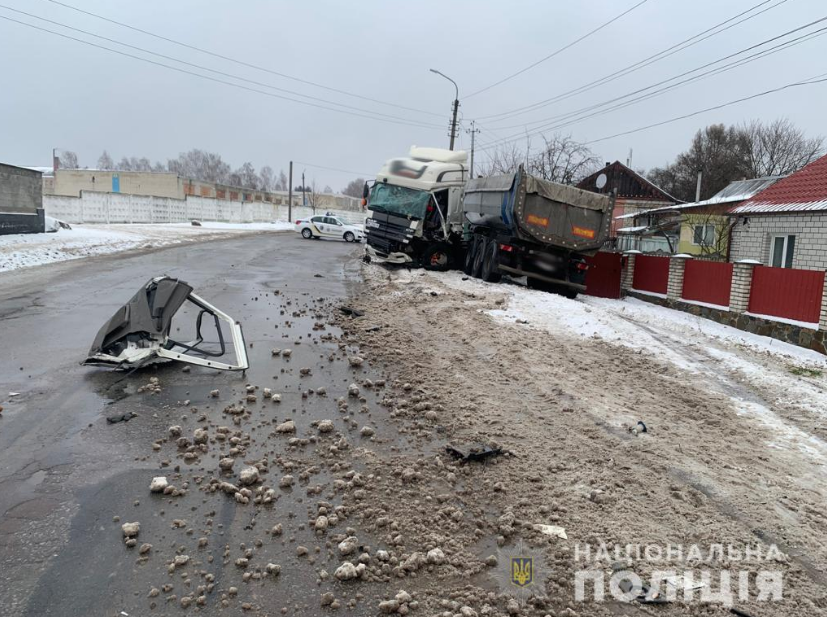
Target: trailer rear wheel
{"points": [[470, 254], [479, 254], [490, 272]]}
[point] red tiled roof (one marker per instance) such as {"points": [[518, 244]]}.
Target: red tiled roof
{"points": [[804, 190]]}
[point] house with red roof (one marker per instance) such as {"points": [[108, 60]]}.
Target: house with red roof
{"points": [[635, 194], [785, 226]]}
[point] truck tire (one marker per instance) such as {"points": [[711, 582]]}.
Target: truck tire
{"points": [[470, 253], [437, 257], [479, 253], [490, 272]]}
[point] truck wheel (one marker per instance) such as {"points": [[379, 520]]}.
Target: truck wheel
{"points": [[479, 253], [490, 272], [470, 253], [437, 258]]}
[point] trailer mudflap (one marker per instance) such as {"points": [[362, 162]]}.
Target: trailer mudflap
{"points": [[138, 333], [547, 279]]}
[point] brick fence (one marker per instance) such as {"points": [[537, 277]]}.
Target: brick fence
{"points": [[744, 291]]}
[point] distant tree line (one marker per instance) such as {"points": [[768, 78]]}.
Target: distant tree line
{"points": [[208, 167], [196, 164], [724, 154]]}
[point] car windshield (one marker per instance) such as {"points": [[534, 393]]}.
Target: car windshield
{"points": [[399, 200]]}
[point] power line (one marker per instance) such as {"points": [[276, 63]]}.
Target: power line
{"points": [[239, 62], [554, 53], [344, 171], [669, 51], [206, 68], [216, 80], [805, 82], [570, 117]]}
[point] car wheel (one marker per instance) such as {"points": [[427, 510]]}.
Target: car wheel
{"points": [[437, 258], [349, 237], [490, 272], [306, 233]]}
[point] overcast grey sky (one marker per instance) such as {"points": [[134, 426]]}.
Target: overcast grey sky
{"points": [[60, 93]]}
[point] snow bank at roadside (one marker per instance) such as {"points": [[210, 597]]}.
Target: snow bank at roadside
{"points": [[26, 250], [630, 322]]}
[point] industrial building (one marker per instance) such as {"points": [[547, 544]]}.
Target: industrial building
{"points": [[21, 200]]}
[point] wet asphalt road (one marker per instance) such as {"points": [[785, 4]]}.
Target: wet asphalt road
{"points": [[65, 473]]}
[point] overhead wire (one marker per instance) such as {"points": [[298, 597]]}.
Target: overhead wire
{"points": [[669, 51], [237, 61], [222, 81], [805, 82], [558, 51], [208, 69], [575, 116]]}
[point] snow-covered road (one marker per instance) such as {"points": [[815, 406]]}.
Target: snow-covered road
{"points": [[26, 250]]}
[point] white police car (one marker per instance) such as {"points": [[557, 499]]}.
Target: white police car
{"points": [[329, 226]]}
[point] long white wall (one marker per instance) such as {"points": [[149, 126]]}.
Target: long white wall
{"points": [[93, 207]]}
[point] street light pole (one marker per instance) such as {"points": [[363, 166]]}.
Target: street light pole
{"points": [[455, 106]]}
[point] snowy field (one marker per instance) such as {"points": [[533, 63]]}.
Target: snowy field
{"points": [[26, 250]]}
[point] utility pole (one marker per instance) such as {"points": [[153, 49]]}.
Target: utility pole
{"points": [[304, 191], [454, 124], [455, 106], [473, 132], [290, 195]]}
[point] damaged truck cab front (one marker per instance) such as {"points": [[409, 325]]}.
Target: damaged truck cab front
{"points": [[415, 209]]}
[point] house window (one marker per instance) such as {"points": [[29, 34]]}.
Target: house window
{"points": [[703, 235], [781, 251]]}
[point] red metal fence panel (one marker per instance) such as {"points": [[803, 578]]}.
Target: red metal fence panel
{"points": [[651, 274], [603, 275], [786, 293], [707, 281]]}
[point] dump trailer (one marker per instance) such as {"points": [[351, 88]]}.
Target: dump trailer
{"points": [[521, 225]]}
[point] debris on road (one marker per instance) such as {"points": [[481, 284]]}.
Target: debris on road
{"points": [[352, 312], [120, 417], [138, 333], [552, 530], [477, 453]]}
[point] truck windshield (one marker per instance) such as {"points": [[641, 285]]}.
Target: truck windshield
{"points": [[399, 200]]}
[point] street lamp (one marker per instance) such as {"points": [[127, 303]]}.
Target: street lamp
{"points": [[456, 106]]}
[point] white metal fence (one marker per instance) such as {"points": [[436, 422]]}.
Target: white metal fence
{"points": [[105, 208]]}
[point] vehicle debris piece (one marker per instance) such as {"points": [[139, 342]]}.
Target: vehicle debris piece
{"points": [[640, 427], [476, 453], [138, 333], [552, 530], [348, 310]]}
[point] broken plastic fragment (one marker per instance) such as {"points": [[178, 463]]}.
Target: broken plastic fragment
{"points": [[139, 331]]}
